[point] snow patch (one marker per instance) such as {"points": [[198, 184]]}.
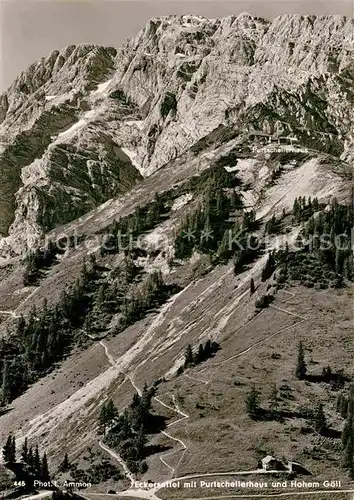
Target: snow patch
{"points": [[72, 130], [132, 157], [61, 98], [231, 169], [102, 87], [136, 123], [90, 114]]}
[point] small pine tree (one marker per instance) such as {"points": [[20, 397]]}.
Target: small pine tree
{"points": [[253, 403], [201, 354], [37, 461], [24, 453], [344, 407], [269, 267], [111, 412], [348, 458], [301, 368], [103, 419], [320, 421], [141, 441], [44, 468], [346, 432], [65, 465], [188, 357], [30, 459], [13, 448], [9, 451], [208, 349], [252, 287]]}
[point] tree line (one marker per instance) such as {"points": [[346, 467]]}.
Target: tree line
{"points": [[204, 352], [45, 336], [119, 235], [127, 432], [304, 209], [216, 228], [36, 260], [37, 464], [326, 256]]}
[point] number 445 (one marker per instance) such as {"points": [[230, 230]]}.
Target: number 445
{"points": [[20, 483]]}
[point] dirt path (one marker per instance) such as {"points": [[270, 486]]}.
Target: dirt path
{"points": [[119, 459], [15, 313], [109, 357], [128, 474], [184, 416], [289, 312], [10, 313], [252, 346]]}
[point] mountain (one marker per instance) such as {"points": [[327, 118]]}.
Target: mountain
{"points": [[170, 86], [164, 212]]}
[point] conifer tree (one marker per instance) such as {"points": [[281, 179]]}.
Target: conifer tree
{"points": [[208, 349], [6, 392], [320, 421], [348, 436], [103, 420], [201, 354], [346, 432], [111, 412], [274, 399], [252, 287], [65, 464], [9, 450], [301, 368], [14, 447], [189, 357], [24, 453], [269, 268], [30, 458], [348, 458], [44, 468], [344, 407], [253, 403], [37, 460], [140, 442]]}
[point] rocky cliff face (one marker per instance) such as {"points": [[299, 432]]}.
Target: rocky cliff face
{"points": [[78, 125]]}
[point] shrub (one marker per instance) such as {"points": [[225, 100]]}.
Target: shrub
{"points": [[264, 301]]}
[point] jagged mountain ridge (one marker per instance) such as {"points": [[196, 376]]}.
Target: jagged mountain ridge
{"points": [[168, 87]]}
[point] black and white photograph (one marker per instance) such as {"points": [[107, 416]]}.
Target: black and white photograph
{"points": [[176, 249]]}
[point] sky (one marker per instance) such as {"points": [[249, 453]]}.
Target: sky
{"points": [[31, 29]]}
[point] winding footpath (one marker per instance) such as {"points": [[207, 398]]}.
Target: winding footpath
{"points": [[151, 492], [184, 416], [174, 408], [119, 459]]}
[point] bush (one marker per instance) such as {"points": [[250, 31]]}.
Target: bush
{"points": [[264, 301]]}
